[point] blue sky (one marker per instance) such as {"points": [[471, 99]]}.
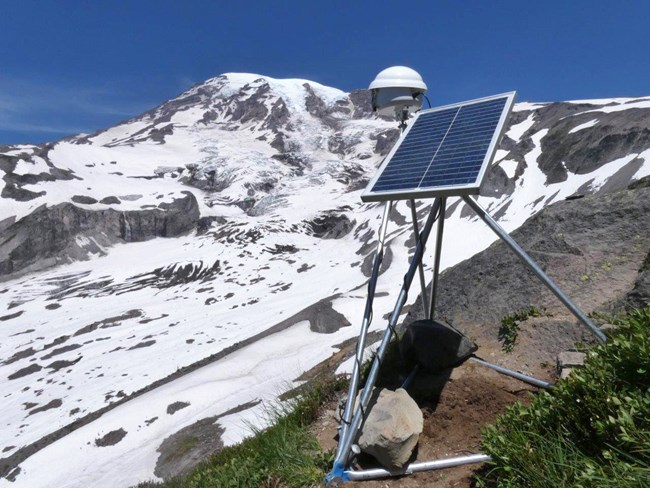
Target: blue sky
{"points": [[73, 66]]}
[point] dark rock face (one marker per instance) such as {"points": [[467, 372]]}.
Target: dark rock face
{"points": [[252, 107], [32, 368], [331, 225], [385, 141], [83, 199], [10, 316], [368, 262], [61, 364], [19, 194], [110, 201], [295, 161], [14, 182], [52, 404], [591, 247], [361, 101], [176, 406], [110, 439], [313, 103], [205, 223], [497, 183], [158, 134], [48, 235], [616, 134], [639, 297], [172, 275], [321, 316]]}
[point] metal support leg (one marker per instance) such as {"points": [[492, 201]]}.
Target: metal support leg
{"points": [[409, 379], [367, 318], [345, 442], [436, 266], [534, 267], [368, 474], [513, 374], [423, 285]]}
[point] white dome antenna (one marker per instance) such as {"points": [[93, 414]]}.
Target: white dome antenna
{"points": [[397, 91]]}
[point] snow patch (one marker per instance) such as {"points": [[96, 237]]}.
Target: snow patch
{"points": [[586, 125], [509, 166], [518, 130], [525, 106]]}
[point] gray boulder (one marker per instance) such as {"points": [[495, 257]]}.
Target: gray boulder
{"points": [[434, 345], [392, 427]]}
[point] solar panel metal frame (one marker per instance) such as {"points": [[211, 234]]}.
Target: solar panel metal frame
{"points": [[442, 190]]}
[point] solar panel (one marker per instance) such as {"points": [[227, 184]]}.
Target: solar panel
{"points": [[444, 152]]}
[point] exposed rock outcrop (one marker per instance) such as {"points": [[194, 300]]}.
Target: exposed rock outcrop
{"points": [[331, 225], [51, 235], [591, 247]]}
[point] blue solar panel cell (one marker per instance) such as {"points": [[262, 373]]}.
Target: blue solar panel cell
{"points": [[444, 151]]}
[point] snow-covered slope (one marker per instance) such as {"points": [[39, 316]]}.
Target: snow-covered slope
{"points": [[193, 261]]}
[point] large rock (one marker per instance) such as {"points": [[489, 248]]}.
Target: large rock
{"points": [[392, 428], [434, 345]]}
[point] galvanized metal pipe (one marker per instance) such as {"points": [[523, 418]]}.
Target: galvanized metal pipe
{"points": [[514, 374], [341, 459], [423, 285], [369, 474], [528, 261], [367, 317], [409, 379], [436, 266]]}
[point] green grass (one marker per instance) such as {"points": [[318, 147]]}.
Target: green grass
{"points": [[591, 430], [509, 329], [285, 454]]}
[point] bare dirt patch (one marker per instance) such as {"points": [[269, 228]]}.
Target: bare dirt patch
{"points": [[186, 448], [455, 409]]}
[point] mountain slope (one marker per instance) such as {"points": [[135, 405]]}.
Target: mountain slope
{"points": [[254, 184]]}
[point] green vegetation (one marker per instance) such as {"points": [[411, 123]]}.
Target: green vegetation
{"points": [[591, 430], [186, 445], [393, 367], [510, 326], [285, 454], [645, 266]]}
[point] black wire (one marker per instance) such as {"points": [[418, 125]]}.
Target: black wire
{"points": [[390, 326], [428, 101]]}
